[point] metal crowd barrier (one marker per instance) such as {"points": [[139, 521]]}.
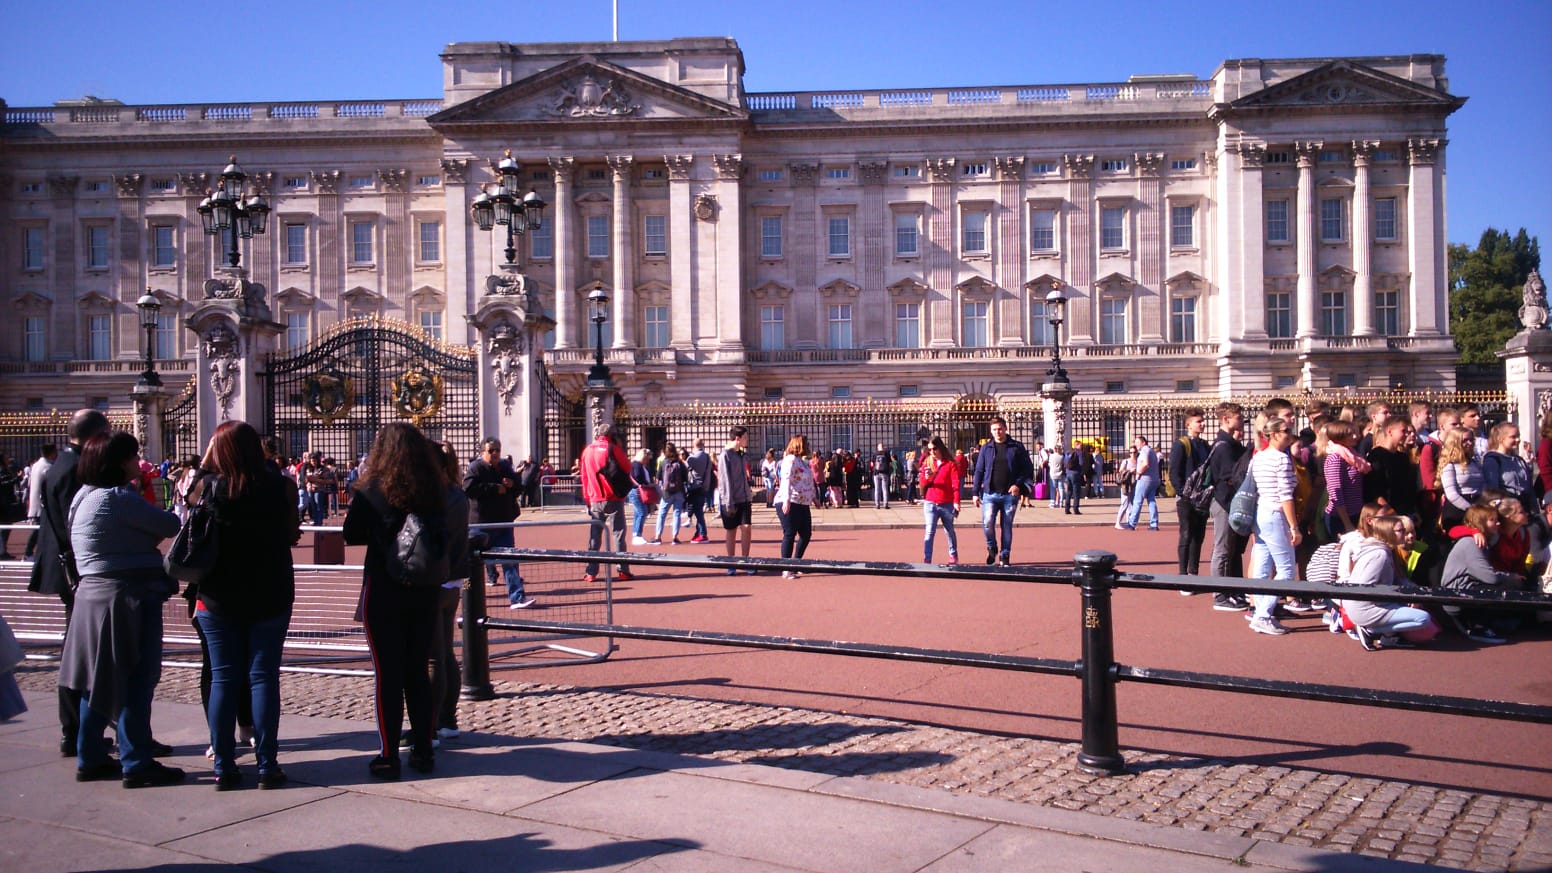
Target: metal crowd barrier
{"points": [[1095, 575]]}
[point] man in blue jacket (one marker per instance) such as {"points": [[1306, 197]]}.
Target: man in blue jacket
{"points": [[1003, 472]]}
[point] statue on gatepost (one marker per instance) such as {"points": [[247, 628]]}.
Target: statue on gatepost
{"points": [[1533, 312]]}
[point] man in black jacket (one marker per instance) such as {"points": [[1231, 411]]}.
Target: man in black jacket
{"points": [[1188, 453], [58, 489], [1227, 460], [493, 489]]}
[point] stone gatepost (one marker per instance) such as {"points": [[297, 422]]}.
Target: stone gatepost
{"points": [[236, 334], [150, 404], [511, 324], [1056, 405], [1527, 358]]}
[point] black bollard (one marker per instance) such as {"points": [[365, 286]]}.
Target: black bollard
{"points": [[476, 642], [1101, 753]]}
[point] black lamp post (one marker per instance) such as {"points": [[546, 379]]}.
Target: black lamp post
{"points": [[229, 209], [149, 307], [502, 205], [598, 313], [1055, 313]]}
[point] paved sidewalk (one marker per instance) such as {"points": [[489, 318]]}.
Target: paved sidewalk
{"points": [[540, 804]]}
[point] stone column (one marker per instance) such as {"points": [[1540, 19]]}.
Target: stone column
{"points": [[805, 250], [565, 169], [399, 240], [938, 319], [1363, 240], [1241, 229], [460, 279], [1081, 309], [1308, 293], [874, 313], [1151, 244], [1425, 238], [128, 280], [65, 333], [510, 328], [150, 404], [624, 254], [681, 264], [729, 264], [236, 337], [332, 248], [1056, 409], [1010, 234]]}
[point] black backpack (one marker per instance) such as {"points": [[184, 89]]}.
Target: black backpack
{"points": [[616, 477], [1198, 488], [419, 556]]}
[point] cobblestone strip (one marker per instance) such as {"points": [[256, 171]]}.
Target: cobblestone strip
{"points": [[1450, 828]]}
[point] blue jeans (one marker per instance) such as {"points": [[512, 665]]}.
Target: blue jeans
{"points": [[501, 538], [1072, 496], [134, 720], [1402, 618], [1147, 489], [797, 528], [934, 513], [638, 512], [1272, 556], [317, 506], [239, 648], [880, 491], [993, 505], [671, 504], [695, 504]]}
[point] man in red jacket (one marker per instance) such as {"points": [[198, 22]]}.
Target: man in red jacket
{"points": [[604, 506]]}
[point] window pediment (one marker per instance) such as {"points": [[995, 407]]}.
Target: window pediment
{"points": [[1115, 283], [1185, 281], [1336, 278], [1043, 284], [908, 288], [426, 295], [96, 300], [771, 290], [839, 288], [32, 300], [295, 298], [977, 286], [362, 296], [654, 293]]}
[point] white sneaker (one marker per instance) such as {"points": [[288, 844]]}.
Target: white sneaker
{"points": [[524, 603], [447, 733], [638, 541], [1267, 626], [246, 737]]}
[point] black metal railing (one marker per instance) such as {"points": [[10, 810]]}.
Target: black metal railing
{"points": [[1095, 575]]}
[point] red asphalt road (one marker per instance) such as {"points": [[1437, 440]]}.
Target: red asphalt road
{"points": [[1159, 629]]}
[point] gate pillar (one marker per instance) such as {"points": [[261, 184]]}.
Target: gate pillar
{"points": [[1527, 360], [511, 324], [236, 334], [1056, 407], [150, 406]]}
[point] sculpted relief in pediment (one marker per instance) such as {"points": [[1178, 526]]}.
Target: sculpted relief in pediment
{"points": [[587, 97]]}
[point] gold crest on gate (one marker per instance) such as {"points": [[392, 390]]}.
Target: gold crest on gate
{"points": [[328, 394], [417, 393]]}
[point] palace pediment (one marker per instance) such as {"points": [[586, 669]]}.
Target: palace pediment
{"points": [[1345, 83], [582, 90]]}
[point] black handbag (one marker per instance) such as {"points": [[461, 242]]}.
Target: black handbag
{"points": [[194, 549]]}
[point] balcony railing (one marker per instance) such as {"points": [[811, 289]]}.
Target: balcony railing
{"points": [[1039, 353], [74, 368], [1015, 95], [87, 116]]}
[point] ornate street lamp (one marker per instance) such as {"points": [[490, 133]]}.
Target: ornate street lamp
{"points": [[1055, 313], [598, 313], [150, 307], [228, 210], [502, 205]]}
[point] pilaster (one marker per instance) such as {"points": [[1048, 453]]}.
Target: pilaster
{"points": [[460, 281], [803, 320], [564, 169], [1425, 237], [938, 325], [1010, 260], [1151, 245], [1309, 295], [873, 312], [729, 234], [1080, 194], [1363, 240], [623, 253], [683, 234]]}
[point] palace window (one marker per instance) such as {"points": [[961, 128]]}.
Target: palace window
{"points": [[32, 248], [770, 236], [1277, 221], [1331, 157], [97, 247], [1385, 219], [1182, 320], [908, 325], [655, 236], [1387, 312], [294, 183], [842, 392], [166, 337], [907, 234], [164, 186], [361, 242], [1114, 165], [1112, 321], [1112, 227], [164, 249], [773, 327], [296, 243], [1277, 157], [360, 181], [973, 324], [1331, 220], [1042, 230], [1333, 313], [975, 168], [838, 232], [975, 240], [99, 337], [654, 327], [541, 240], [654, 173], [428, 181], [838, 172], [431, 322], [907, 171], [1040, 331], [1042, 169], [1182, 226], [770, 175], [1279, 315], [1384, 155], [35, 338], [430, 241], [296, 330], [840, 325], [1183, 164], [598, 236]]}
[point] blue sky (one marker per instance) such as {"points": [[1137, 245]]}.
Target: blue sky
{"points": [[1498, 55]]}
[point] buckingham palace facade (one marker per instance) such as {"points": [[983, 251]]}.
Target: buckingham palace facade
{"points": [[1277, 226]]}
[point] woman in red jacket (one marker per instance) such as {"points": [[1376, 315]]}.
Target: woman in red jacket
{"points": [[940, 478]]}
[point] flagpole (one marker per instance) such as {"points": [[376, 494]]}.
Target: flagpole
{"points": [[616, 20]]}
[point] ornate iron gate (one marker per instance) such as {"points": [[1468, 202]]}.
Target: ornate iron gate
{"points": [[180, 425], [562, 432], [334, 395]]}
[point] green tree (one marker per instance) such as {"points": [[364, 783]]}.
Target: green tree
{"points": [[1485, 291]]}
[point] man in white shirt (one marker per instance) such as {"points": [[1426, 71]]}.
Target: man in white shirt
{"points": [[35, 492]]}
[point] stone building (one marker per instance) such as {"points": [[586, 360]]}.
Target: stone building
{"points": [[1277, 226]]}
